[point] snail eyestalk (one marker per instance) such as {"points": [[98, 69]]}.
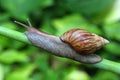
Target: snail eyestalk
{"points": [[21, 24], [29, 23]]}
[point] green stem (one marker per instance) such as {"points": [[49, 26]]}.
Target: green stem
{"points": [[109, 65], [13, 34], [104, 64]]}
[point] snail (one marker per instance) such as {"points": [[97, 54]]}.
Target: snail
{"points": [[76, 44]]}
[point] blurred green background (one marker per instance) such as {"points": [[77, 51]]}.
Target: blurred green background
{"points": [[20, 61]]}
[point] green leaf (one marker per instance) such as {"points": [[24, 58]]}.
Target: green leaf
{"points": [[42, 62], [47, 24], [21, 8], [74, 21], [76, 74], [22, 73], [114, 14], [86, 6], [107, 76], [11, 56], [112, 31], [9, 25], [1, 72], [113, 47]]}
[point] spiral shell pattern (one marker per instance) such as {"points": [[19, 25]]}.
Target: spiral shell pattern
{"points": [[83, 41]]}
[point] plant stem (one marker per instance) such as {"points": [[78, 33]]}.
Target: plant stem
{"points": [[13, 34], [104, 64], [109, 65]]}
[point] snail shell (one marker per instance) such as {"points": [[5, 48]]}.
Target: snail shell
{"points": [[83, 41]]}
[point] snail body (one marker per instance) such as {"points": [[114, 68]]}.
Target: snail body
{"points": [[75, 44]]}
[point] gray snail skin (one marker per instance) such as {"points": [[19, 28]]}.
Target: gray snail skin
{"points": [[76, 44]]}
